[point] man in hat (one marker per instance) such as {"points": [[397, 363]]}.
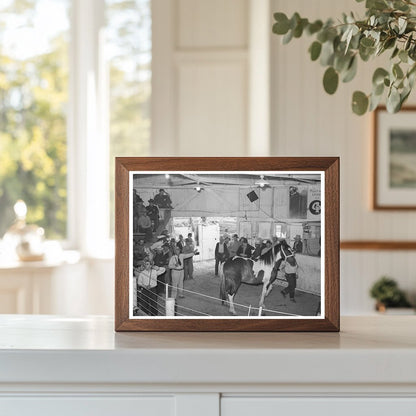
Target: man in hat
{"points": [[161, 239], [188, 264], [298, 245], [161, 259], [162, 199], [153, 213], [233, 246], [245, 250], [180, 243], [221, 253]]}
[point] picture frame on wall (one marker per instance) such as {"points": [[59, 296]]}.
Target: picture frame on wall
{"points": [[394, 163], [227, 244]]}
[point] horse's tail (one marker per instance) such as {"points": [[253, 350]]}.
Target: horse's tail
{"points": [[223, 295]]}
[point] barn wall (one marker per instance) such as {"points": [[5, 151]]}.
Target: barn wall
{"points": [[309, 273]]}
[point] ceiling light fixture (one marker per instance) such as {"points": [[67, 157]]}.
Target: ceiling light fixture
{"points": [[262, 182], [198, 187]]}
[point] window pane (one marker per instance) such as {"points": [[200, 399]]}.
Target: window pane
{"points": [[129, 52], [33, 100]]}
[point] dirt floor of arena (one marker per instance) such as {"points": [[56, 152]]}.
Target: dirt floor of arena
{"points": [[205, 282]]}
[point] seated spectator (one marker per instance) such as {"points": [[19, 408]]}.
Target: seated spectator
{"points": [[153, 213], [145, 226], [139, 252], [161, 259], [146, 281]]}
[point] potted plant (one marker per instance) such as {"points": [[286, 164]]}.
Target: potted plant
{"points": [[389, 27], [387, 294]]}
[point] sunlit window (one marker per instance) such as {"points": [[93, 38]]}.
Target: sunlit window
{"points": [[129, 44], [33, 102], [39, 78]]}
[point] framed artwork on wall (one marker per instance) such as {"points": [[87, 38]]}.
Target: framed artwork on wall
{"points": [[394, 178], [182, 265]]}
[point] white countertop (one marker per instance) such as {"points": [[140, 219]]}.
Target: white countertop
{"points": [[52, 349]]}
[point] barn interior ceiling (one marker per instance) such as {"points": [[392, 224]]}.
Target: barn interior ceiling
{"points": [[175, 180]]}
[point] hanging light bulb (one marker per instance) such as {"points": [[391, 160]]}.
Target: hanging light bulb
{"points": [[198, 187], [262, 182], [167, 176]]}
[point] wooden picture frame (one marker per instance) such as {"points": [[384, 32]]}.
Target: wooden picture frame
{"points": [[394, 155], [141, 171]]}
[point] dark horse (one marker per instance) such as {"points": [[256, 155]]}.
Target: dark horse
{"points": [[237, 270], [233, 272]]}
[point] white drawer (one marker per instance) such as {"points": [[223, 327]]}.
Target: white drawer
{"points": [[274, 406], [87, 406]]}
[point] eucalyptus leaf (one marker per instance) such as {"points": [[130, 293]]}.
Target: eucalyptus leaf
{"points": [[374, 102], [393, 101], [281, 27], [397, 71], [376, 4], [389, 43], [288, 37], [378, 89], [350, 73], [402, 22], [403, 56], [314, 27], [408, 42], [395, 52], [341, 62], [359, 103], [330, 80], [327, 54], [315, 50], [379, 75], [367, 42]]}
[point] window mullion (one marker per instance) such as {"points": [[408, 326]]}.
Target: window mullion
{"points": [[88, 134]]}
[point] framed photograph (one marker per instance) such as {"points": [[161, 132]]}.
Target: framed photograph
{"points": [[394, 180], [227, 244]]}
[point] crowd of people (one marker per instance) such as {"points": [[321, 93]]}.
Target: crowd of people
{"points": [[146, 219], [162, 266], [267, 253], [265, 250]]}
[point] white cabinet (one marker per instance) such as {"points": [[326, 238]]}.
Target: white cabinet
{"points": [[88, 406], [325, 406], [79, 366]]}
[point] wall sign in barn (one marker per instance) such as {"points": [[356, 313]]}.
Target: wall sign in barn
{"points": [[214, 244]]}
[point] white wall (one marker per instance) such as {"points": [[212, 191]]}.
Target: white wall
{"points": [[308, 122], [211, 88]]}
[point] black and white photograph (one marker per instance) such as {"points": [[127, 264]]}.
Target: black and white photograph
{"points": [[226, 244]]}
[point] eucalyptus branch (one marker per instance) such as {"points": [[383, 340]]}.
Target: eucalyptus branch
{"points": [[389, 25]]}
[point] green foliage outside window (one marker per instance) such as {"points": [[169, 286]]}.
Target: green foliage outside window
{"points": [[33, 99]]}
